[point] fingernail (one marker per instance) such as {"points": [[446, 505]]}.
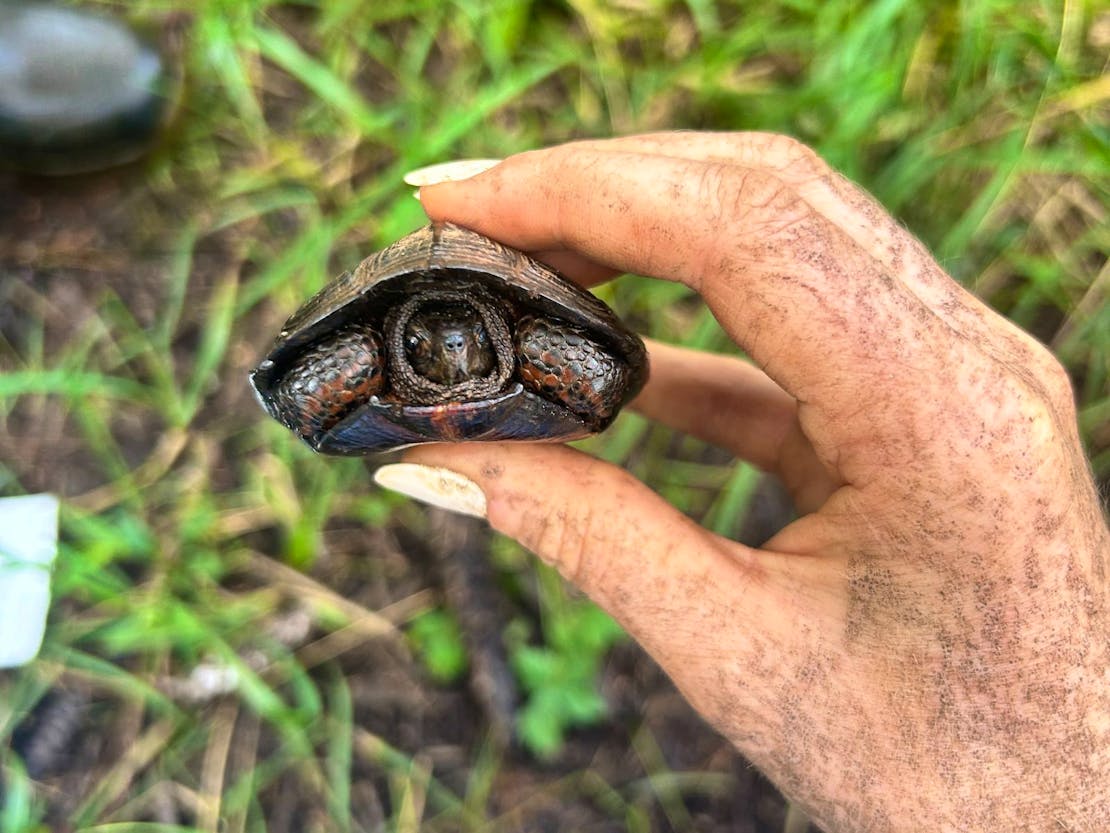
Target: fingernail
{"points": [[434, 486], [448, 171]]}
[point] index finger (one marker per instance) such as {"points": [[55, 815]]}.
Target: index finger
{"points": [[820, 314]]}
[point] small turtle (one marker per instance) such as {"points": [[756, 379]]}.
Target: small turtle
{"points": [[448, 336]]}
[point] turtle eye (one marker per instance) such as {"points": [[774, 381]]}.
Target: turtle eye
{"points": [[417, 345]]}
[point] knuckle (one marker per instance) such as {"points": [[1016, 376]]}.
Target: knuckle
{"points": [[744, 196], [560, 536], [752, 216], [796, 155], [718, 188], [1012, 411], [799, 153], [1058, 386], [1043, 374]]}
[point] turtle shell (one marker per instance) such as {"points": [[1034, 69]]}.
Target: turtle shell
{"points": [[447, 258]]}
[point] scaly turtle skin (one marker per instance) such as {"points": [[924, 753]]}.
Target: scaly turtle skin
{"points": [[447, 336]]}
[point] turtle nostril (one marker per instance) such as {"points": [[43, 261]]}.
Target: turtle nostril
{"points": [[454, 342]]}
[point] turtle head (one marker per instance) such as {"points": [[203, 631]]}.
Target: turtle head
{"points": [[448, 344]]}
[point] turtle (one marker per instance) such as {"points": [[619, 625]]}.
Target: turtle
{"points": [[449, 336]]}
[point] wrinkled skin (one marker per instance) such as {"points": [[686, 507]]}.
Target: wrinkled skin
{"points": [[926, 648]]}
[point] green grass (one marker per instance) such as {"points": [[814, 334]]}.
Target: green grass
{"points": [[982, 125]]}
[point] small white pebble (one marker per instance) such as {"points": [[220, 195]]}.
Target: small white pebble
{"points": [[211, 679]]}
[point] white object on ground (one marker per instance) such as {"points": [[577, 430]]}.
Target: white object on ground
{"points": [[28, 544]]}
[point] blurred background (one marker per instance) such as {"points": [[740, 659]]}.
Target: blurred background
{"points": [[246, 637]]}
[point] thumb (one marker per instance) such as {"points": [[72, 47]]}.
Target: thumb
{"points": [[669, 582]]}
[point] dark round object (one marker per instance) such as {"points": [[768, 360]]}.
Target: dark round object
{"points": [[447, 336], [78, 91]]}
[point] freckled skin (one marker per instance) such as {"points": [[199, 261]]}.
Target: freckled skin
{"points": [[928, 646]]}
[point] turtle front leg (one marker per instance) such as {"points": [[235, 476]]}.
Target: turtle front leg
{"points": [[329, 380], [561, 362]]}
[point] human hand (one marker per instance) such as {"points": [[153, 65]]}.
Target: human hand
{"points": [[928, 646]]}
